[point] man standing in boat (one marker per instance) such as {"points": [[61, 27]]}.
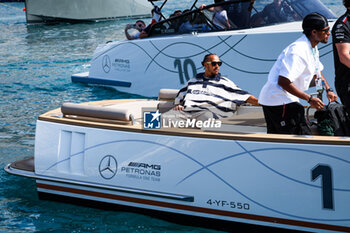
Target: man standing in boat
{"points": [[291, 76], [341, 52], [209, 95]]}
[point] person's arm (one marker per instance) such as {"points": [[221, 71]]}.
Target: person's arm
{"points": [[143, 34], [178, 107], [330, 94], [290, 87], [228, 26], [179, 99], [202, 6], [128, 36], [343, 52], [252, 100]]}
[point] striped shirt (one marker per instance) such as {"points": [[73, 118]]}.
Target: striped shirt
{"points": [[217, 94]]}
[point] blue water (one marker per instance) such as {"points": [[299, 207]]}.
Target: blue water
{"points": [[36, 62]]}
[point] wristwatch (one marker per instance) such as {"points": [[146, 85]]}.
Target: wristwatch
{"points": [[329, 89], [309, 99]]}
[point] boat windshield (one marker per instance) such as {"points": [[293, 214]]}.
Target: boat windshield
{"points": [[234, 15]]}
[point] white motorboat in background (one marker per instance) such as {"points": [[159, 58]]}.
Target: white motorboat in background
{"points": [[114, 154], [39, 11], [172, 55]]}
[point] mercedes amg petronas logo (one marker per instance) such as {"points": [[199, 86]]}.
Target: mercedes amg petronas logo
{"points": [[108, 167], [106, 63]]}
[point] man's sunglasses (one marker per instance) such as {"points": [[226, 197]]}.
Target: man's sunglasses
{"points": [[324, 30], [214, 63]]}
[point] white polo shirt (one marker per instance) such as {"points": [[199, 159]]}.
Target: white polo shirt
{"points": [[220, 19], [299, 62]]}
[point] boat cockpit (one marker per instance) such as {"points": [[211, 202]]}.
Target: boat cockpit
{"points": [[129, 115], [235, 15]]}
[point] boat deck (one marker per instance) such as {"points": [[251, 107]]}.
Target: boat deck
{"points": [[247, 124], [24, 167], [26, 164]]}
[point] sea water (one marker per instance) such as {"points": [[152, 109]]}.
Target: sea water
{"points": [[36, 62]]}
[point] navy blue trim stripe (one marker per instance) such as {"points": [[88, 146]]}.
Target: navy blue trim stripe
{"points": [[100, 81]]}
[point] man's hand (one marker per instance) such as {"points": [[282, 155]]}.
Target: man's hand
{"points": [[331, 96], [252, 100], [316, 103], [178, 107]]}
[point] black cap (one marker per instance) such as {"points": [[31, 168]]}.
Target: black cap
{"points": [[314, 21]]}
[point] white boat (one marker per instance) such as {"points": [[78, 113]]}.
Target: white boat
{"points": [[113, 154], [39, 11], [170, 57]]}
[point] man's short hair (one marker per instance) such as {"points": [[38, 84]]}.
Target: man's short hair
{"points": [[206, 57], [346, 3], [314, 21], [141, 21]]}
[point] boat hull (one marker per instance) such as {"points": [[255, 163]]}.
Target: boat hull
{"points": [[38, 11], [145, 66], [292, 185]]}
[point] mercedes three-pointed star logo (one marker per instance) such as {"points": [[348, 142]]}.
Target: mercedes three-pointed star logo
{"points": [[106, 64], [108, 167]]}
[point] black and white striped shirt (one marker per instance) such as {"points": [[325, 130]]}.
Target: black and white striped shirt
{"points": [[217, 94]]}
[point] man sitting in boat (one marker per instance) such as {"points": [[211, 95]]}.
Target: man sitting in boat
{"points": [[220, 18], [197, 23], [155, 18], [209, 95], [139, 26], [291, 76], [239, 14], [274, 12]]}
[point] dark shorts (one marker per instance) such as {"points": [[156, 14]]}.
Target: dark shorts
{"points": [[286, 119]]}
